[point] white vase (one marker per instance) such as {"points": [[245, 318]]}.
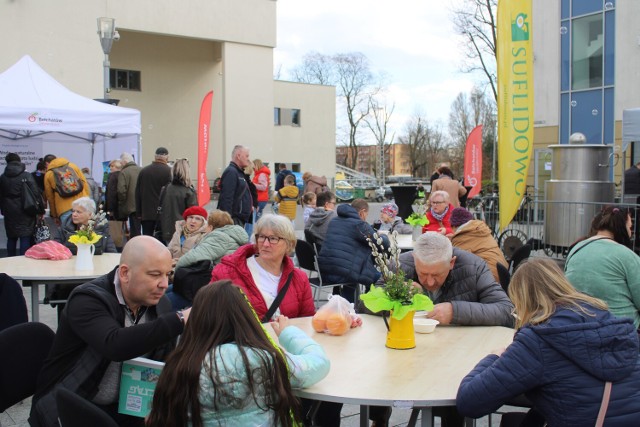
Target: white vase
{"points": [[84, 257], [417, 231]]}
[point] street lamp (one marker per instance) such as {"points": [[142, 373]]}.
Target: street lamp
{"points": [[108, 33]]}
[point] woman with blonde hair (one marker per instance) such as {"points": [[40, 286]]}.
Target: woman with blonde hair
{"points": [[567, 351], [261, 179], [175, 198]]}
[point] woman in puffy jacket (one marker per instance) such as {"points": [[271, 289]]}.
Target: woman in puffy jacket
{"points": [[567, 347], [226, 370]]}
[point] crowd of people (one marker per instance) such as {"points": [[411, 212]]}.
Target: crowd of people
{"points": [[576, 330]]}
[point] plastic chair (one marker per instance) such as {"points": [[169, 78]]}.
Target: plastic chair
{"points": [[24, 349], [308, 260], [518, 256], [76, 411], [505, 277]]}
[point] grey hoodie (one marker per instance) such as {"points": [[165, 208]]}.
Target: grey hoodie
{"points": [[319, 222]]}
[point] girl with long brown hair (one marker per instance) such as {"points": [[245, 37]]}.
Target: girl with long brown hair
{"points": [[227, 371]]}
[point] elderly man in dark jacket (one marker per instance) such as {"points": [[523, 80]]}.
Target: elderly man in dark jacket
{"points": [[150, 182], [235, 193], [345, 256], [18, 225], [459, 283], [113, 318]]}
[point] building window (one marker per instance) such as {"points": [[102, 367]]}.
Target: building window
{"points": [[124, 79], [295, 117], [588, 49], [276, 116]]}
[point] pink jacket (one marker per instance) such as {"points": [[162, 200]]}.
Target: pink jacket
{"points": [[297, 302]]}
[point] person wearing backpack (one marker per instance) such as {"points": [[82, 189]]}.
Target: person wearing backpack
{"points": [[19, 225], [64, 182]]}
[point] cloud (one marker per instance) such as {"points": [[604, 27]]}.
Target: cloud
{"points": [[412, 41]]}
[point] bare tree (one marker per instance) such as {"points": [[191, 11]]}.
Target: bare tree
{"points": [[315, 68], [475, 21], [467, 112], [426, 145], [378, 125], [355, 83]]}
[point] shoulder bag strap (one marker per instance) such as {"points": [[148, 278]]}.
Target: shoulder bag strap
{"points": [[582, 247], [276, 302], [604, 405]]}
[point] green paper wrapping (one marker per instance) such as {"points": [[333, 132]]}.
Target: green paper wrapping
{"points": [[377, 300]]}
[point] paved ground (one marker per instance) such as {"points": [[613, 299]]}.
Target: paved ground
{"points": [[17, 415]]}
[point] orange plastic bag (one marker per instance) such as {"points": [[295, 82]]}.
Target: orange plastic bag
{"points": [[336, 317]]}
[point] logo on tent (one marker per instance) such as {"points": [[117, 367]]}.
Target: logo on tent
{"points": [[35, 118]]}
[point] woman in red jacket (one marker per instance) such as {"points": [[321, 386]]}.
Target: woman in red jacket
{"points": [[262, 269], [261, 178], [439, 213]]}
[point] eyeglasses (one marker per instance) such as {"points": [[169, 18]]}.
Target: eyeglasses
{"points": [[274, 240], [438, 203]]}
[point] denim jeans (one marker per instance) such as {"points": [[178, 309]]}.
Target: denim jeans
{"points": [[25, 243]]}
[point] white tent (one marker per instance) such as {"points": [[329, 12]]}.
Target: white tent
{"points": [[39, 116]]}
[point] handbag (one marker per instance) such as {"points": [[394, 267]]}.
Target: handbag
{"points": [[188, 280], [157, 231], [42, 232], [32, 203]]}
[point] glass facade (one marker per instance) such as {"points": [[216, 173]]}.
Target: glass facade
{"points": [[587, 73]]}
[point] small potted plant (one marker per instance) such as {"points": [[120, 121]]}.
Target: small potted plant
{"points": [[418, 219], [398, 295]]}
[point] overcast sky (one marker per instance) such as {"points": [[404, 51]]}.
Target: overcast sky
{"points": [[412, 41]]}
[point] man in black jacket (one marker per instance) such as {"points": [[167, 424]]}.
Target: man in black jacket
{"points": [[116, 317], [148, 187], [235, 194]]}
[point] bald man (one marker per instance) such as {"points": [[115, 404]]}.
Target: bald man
{"points": [[116, 317]]}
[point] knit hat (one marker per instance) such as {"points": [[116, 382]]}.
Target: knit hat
{"points": [[195, 210], [460, 216], [390, 209]]}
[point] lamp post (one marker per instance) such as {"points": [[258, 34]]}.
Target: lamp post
{"points": [[108, 33]]}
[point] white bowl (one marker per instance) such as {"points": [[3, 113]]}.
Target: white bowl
{"points": [[424, 326]]}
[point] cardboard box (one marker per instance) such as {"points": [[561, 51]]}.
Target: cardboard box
{"points": [[138, 381]]}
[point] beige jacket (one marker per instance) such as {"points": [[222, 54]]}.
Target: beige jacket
{"points": [[451, 186], [475, 237]]}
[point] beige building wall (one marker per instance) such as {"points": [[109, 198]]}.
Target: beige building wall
{"points": [[313, 143], [182, 49]]}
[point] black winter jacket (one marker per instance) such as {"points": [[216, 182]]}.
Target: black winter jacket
{"points": [[235, 194], [91, 334], [177, 198], [16, 222]]}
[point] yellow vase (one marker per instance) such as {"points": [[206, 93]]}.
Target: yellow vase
{"points": [[401, 335]]}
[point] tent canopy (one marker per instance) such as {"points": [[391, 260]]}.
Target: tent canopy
{"points": [[40, 114]]}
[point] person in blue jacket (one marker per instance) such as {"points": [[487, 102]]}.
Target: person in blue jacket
{"points": [[227, 371], [567, 346], [346, 256]]}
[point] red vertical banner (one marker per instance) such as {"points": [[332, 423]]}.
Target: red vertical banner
{"points": [[473, 161], [204, 124]]}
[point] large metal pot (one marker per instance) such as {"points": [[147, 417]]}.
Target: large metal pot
{"points": [[571, 206], [584, 162]]}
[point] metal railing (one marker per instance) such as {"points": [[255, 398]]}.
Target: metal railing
{"points": [[549, 226]]}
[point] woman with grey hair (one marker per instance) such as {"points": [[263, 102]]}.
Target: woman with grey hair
{"points": [[175, 198], [439, 213], [262, 269], [82, 211]]}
